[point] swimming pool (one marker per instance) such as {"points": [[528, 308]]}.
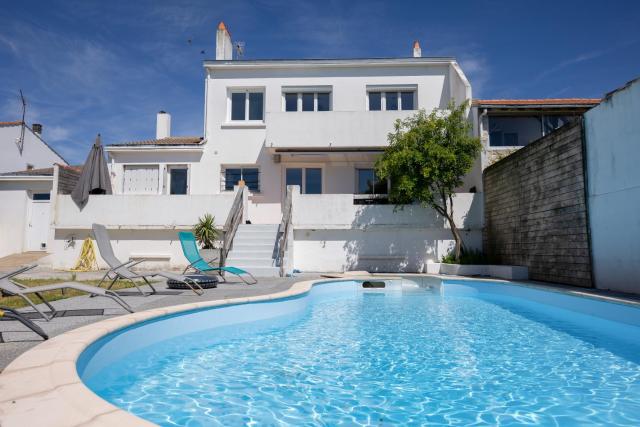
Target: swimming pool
{"points": [[466, 352]]}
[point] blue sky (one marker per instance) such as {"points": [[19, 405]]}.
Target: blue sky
{"points": [[95, 66]]}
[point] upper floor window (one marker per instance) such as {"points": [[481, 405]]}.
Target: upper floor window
{"points": [[391, 100], [307, 100], [247, 104]]}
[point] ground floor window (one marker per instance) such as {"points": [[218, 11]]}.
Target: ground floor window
{"points": [[178, 179], [38, 197], [308, 179], [250, 176], [140, 179], [368, 182]]}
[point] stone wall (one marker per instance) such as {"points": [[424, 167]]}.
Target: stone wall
{"points": [[67, 179], [535, 210]]}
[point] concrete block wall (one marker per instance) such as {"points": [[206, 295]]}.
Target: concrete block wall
{"points": [[535, 209]]}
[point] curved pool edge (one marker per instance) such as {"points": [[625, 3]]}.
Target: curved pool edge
{"points": [[42, 386]]}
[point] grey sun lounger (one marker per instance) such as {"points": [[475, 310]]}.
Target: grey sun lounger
{"points": [[10, 313], [122, 270], [8, 287]]}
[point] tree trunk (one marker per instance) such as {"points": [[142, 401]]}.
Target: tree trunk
{"points": [[459, 248]]}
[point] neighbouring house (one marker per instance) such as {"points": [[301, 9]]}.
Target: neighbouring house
{"points": [[23, 148], [24, 210], [318, 124], [566, 205], [506, 125], [163, 165]]}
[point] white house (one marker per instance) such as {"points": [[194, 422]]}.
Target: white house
{"points": [[25, 205], [23, 148], [318, 124]]}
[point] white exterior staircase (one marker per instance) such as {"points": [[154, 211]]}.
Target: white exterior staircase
{"points": [[253, 249]]}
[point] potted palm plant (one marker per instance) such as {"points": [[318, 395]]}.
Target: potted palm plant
{"points": [[207, 234]]}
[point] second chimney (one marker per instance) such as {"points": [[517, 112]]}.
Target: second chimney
{"points": [[37, 129], [163, 125], [417, 52], [224, 47]]}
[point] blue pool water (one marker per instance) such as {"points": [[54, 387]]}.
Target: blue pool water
{"points": [[466, 354]]}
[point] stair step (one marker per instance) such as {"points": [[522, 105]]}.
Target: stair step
{"points": [[253, 235], [259, 227], [249, 264], [254, 240], [261, 271], [247, 256], [253, 246]]}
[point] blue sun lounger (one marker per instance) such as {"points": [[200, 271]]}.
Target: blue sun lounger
{"points": [[191, 252]]}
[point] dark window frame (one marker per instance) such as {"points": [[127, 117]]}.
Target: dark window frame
{"points": [[242, 175], [247, 111]]}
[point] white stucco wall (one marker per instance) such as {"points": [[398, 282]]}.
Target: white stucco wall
{"points": [[613, 179], [141, 226], [35, 152], [119, 158], [15, 198], [333, 234]]}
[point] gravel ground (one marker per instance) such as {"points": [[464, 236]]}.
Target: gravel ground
{"points": [[15, 338]]}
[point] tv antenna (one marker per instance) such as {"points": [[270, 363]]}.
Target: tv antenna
{"points": [[20, 142], [239, 47]]}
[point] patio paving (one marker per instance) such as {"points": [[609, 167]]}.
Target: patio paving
{"points": [[14, 261], [15, 338]]}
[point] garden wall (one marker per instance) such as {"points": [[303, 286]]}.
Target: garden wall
{"points": [[535, 209]]}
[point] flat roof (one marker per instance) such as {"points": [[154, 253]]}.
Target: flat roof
{"points": [[170, 141], [326, 62]]}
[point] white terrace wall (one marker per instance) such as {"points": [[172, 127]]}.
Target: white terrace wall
{"points": [[613, 178], [140, 226], [333, 234]]}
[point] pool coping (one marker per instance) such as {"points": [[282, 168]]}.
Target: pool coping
{"points": [[42, 386]]}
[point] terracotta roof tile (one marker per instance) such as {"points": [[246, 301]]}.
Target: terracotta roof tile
{"points": [[16, 123], [41, 171], [170, 141], [547, 101], [30, 172]]}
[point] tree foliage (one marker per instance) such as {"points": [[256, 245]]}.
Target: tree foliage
{"points": [[427, 157]]}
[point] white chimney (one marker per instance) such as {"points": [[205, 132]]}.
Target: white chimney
{"points": [[163, 125], [224, 47], [417, 52]]}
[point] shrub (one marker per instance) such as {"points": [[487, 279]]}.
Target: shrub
{"points": [[205, 231], [469, 257]]}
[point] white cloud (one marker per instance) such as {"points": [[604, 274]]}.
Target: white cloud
{"points": [[57, 133]]}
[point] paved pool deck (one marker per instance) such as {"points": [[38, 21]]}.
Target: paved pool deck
{"points": [[15, 338]]}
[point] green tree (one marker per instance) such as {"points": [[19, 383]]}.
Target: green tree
{"points": [[427, 157]]}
